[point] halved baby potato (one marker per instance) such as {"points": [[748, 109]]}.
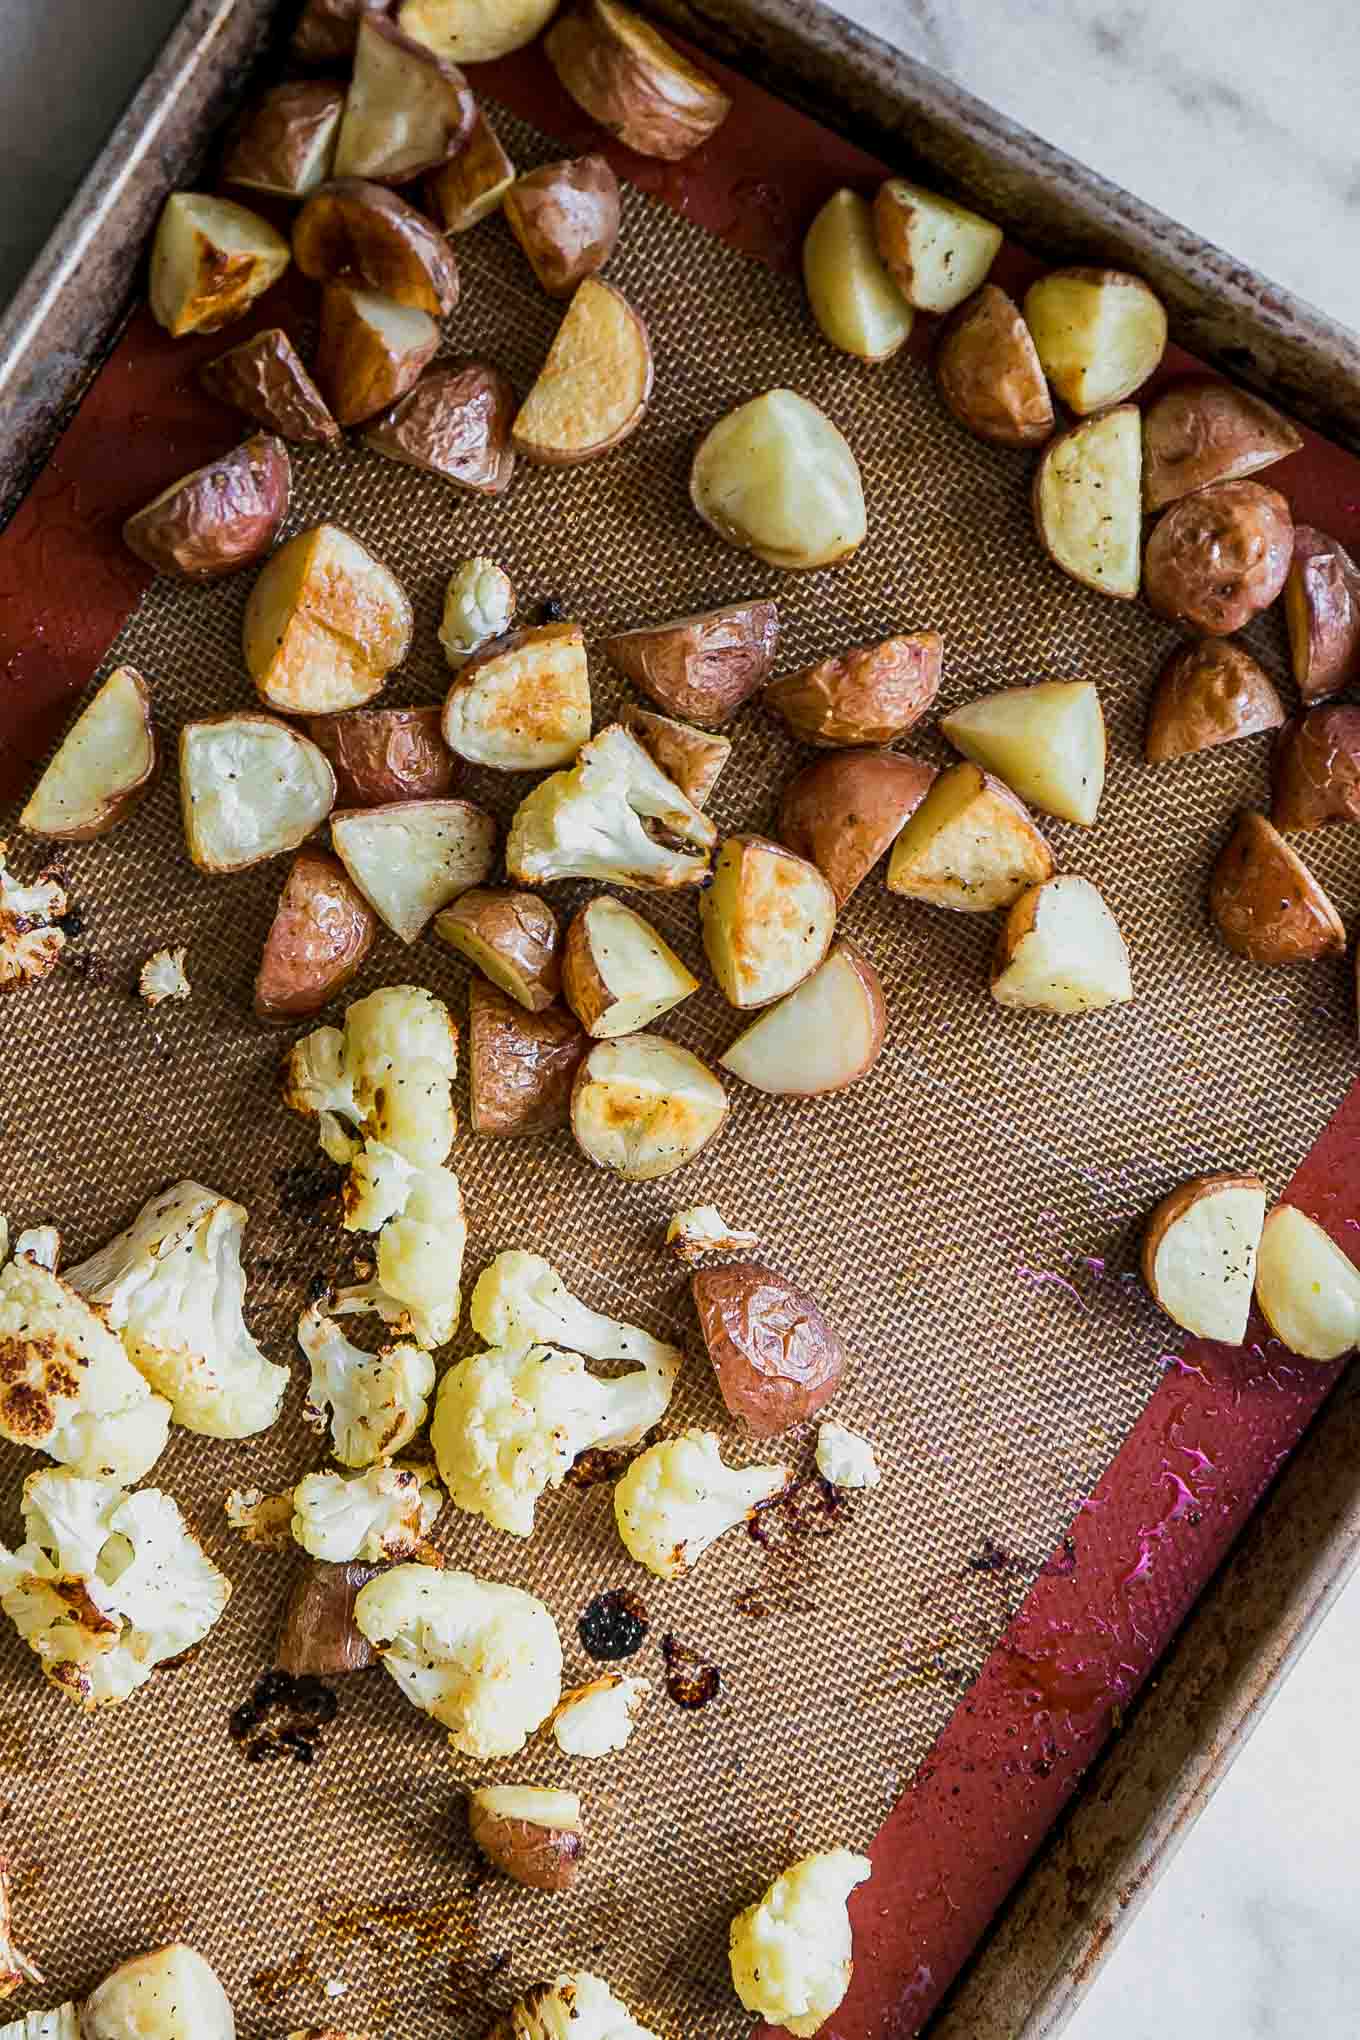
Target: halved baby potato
{"points": [[1099, 334], [219, 518], [412, 857], [370, 350], [472, 183], [355, 231], [104, 765], [776, 478], [767, 920], [327, 30], [455, 422], [844, 810], [1315, 772], [325, 624], [210, 260], [251, 787], [643, 1106], [511, 937], [1046, 741], [1060, 951], [565, 217], [1266, 903], [1209, 693], [938, 252], [1203, 431], [626, 76], [617, 973], [1088, 506], [285, 142], [854, 299], [474, 31], [521, 1065], [692, 758], [529, 1832], [702, 667], [1322, 612], [971, 845], [869, 694], [989, 374], [522, 704], [1199, 1253], [1217, 558], [825, 1035], [384, 754], [592, 391], [264, 377], [320, 934], [1308, 1290], [407, 110]]}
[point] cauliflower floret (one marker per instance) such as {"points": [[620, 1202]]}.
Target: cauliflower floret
{"points": [[163, 977], [478, 605], [578, 2006], [61, 2024], [387, 1512], [844, 1458], [173, 1287], [595, 1719], [265, 1520], [40, 1243], [15, 1967], [703, 1230], [388, 1076], [590, 821], [677, 1498], [376, 1402], [418, 1271], [168, 1994], [521, 1300], [30, 942], [790, 1953], [483, 1659]]}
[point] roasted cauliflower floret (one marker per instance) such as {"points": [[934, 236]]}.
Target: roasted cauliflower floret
{"points": [[521, 1300], [15, 1967], [591, 821], [598, 1718], [483, 1659], [790, 1953], [30, 940], [163, 977], [375, 1402], [61, 2024], [418, 1256], [386, 1512], [479, 604], [677, 1498], [703, 1230], [578, 2006], [173, 1288], [844, 1458], [386, 1076]]}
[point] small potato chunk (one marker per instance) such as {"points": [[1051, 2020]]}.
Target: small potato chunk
{"points": [[474, 182], [210, 260], [529, 1832], [407, 110], [1308, 1290], [1219, 557], [325, 624], [521, 1064], [1099, 334], [593, 390], [970, 845], [777, 1359], [692, 758], [617, 973], [1199, 1253], [456, 423], [265, 378], [218, 519], [854, 299], [988, 372], [1088, 501], [701, 667], [628, 78], [1316, 769], [321, 932], [285, 142], [1206, 694], [103, 766], [643, 1107], [329, 29], [380, 755], [511, 937], [169, 1994], [319, 1634], [250, 787], [566, 219], [1046, 741], [357, 232], [1322, 611], [844, 810], [1268, 906], [868, 695], [767, 920], [474, 31], [824, 1036], [412, 857], [776, 478], [371, 350], [1060, 951], [1204, 431], [522, 703], [938, 252]]}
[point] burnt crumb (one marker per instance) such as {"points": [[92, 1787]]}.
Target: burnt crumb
{"points": [[275, 1689], [242, 1722], [72, 923], [993, 1558], [305, 1188], [597, 1464], [613, 1625], [498, 1963], [759, 1605], [807, 1508], [283, 1717], [691, 1680], [552, 610], [87, 968]]}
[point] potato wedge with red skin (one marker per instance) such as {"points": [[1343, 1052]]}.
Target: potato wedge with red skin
{"points": [[692, 758], [370, 350], [1199, 1253], [322, 930], [1086, 499], [521, 1065], [512, 938], [631, 81], [1061, 951], [824, 1036], [1322, 611], [529, 1832], [566, 219], [1201, 431], [472, 183], [380, 755], [1316, 769], [406, 110], [1099, 333], [988, 373], [474, 31], [1209, 693], [210, 260], [1217, 558], [358, 232], [251, 787], [617, 973], [522, 703], [767, 920], [454, 422], [284, 144], [329, 29], [936, 251], [644, 1107], [325, 623], [867, 695], [218, 519], [1308, 1289], [775, 477], [320, 1637], [104, 765], [413, 857], [265, 378], [593, 389], [1266, 903], [971, 846], [701, 667], [845, 809], [777, 1358]]}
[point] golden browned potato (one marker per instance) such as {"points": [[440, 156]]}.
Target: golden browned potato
{"points": [[988, 372], [776, 478], [617, 973], [767, 920], [593, 390], [530, 1832], [370, 350], [823, 1037], [692, 758], [701, 667], [1316, 769], [407, 110], [474, 182], [103, 766], [320, 934], [210, 260], [971, 845], [456, 423], [522, 703], [218, 519], [325, 624], [319, 1635], [1099, 333], [937, 251], [853, 297], [1217, 558], [412, 857], [329, 29], [358, 232], [777, 1357], [385, 754], [644, 1107], [521, 1065], [265, 378], [566, 219], [844, 810], [1322, 611], [1046, 741], [1268, 906], [867, 695], [1209, 693], [474, 31], [1308, 1289], [511, 938], [250, 787], [285, 142], [1199, 1253], [1060, 951], [1203, 431], [1087, 500], [628, 78]]}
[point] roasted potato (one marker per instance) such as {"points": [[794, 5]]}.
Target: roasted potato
{"points": [[380, 755], [776, 478], [521, 1065], [1199, 1253], [250, 787], [530, 1832], [103, 766], [285, 142], [1046, 741], [522, 703], [692, 759], [777, 1358], [593, 390], [474, 182], [987, 371], [210, 260], [218, 519], [265, 378], [937, 252], [1204, 431], [320, 1637], [1316, 769], [1060, 951], [325, 624], [617, 973], [844, 810], [825, 1035], [971, 845], [767, 920], [1322, 611], [456, 423], [1217, 558], [867, 695], [406, 110], [371, 350], [320, 934], [474, 31], [169, 1994], [329, 29], [1209, 693], [566, 219], [412, 857], [631, 81], [1268, 906], [1098, 332], [362, 233], [701, 667], [1308, 1289], [1087, 500], [510, 937], [643, 1107], [853, 298]]}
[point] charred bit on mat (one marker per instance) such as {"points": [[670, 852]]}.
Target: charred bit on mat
{"points": [[757, 1603], [809, 1508], [272, 1986], [599, 1463], [283, 1717], [614, 1625], [691, 1680], [552, 610], [309, 1189]]}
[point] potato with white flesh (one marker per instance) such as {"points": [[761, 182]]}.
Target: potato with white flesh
{"points": [[355, 231], [853, 297], [479, 604], [644, 1107], [474, 31], [593, 389], [532, 1833], [1099, 333], [598, 1718], [217, 519], [321, 932], [565, 217], [701, 667], [522, 703], [103, 767], [250, 787], [1209, 693], [767, 920], [776, 478], [407, 110], [617, 973], [170, 1994], [692, 759], [870, 694], [1322, 612], [1046, 741], [845, 809], [678, 1498], [591, 822], [1088, 502], [370, 350], [1308, 1289], [1201, 431], [937, 252], [210, 260], [454, 422], [284, 143], [988, 372], [265, 377], [412, 857], [472, 184], [325, 624], [521, 1064], [1060, 951], [824, 1036], [1199, 1253], [972, 845], [1266, 903], [511, 937], [630, 80]]}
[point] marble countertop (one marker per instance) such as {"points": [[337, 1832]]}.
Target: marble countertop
{"points": [[1238, 120]]}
